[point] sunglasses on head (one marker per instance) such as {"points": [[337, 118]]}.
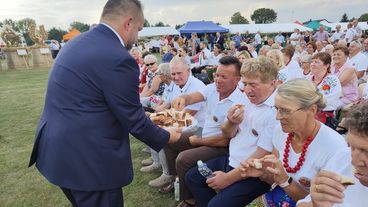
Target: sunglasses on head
{"points": [[150, 64]]}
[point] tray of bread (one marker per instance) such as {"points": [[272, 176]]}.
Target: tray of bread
{"points": [[174, 118]]}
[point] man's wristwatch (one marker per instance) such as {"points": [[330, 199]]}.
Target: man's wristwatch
{"points": [[286, 183]]}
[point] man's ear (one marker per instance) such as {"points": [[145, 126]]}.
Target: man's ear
{"points": [[126, 23]]}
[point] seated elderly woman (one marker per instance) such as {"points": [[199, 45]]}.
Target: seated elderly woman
{"points": [[264, 50], [311, 48], [292, 69], [329, 49], [327, 188], [302, 146], [154, 88], [277, 57], [165, 76], [346, 74], [158, 160], [327, 84], [305, 62], [243, 56]]}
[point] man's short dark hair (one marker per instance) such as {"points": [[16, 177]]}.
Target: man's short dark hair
{"points": [[231, 60], [115, 8]]}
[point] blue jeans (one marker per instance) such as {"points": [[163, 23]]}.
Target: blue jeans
{"points": [[239, 194]]}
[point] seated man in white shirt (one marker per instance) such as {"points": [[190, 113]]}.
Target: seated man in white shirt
{"points": [[251, 130], [338, 34], [219, 98], [328, 188], [357, 59], [184, 84]]}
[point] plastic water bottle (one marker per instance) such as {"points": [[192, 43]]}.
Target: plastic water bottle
{"points": [[204, 170], [176, 189]]}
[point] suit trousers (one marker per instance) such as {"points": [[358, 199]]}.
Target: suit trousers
{"points": [[188, 159], [238, 194], [172, 150], [107, 198]]}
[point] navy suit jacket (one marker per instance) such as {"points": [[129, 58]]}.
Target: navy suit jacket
{"points": [[92, 104]]}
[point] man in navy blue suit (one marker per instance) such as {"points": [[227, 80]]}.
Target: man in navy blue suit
{"points": [[92, 104]]}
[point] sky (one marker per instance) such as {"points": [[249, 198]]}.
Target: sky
{"points": [[61, 13]]}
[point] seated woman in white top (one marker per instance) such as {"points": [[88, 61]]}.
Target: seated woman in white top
{"points": [[326, 188], [302, 147], [216, 55], [327, 84], [292, 69], [305, 62], [154, 87], [277, 57]]}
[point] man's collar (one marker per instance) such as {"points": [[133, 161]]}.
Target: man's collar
{"points": [[233, 97], [270, 101], [116, 33], [185, 87]]}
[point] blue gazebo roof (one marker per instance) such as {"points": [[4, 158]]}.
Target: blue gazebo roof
{"points": [[201, 27]]}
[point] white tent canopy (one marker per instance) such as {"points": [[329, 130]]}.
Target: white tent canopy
{"points": [[344, 25], [157, 31], [265, 28]]}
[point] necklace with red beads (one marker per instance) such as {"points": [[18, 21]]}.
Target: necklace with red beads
{"points": [[301, 160]]}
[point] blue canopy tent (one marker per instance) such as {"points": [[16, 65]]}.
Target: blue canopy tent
{"points": [[201, 27]]}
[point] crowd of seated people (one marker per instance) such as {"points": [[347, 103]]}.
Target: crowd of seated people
{"points": [[281, 108]]}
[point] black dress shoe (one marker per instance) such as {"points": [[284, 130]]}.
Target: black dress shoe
{"points": [[167, 189]]}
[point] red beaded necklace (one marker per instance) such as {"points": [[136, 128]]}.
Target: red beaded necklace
{"points": [[302, 156]]}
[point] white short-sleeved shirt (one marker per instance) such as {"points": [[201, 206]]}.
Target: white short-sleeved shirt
{"points": [[350, 34], [355, 195], [307, 76], [328, 151], [217, 110], [295, 36], [331, 90], [255, 131], [290, 72], [213, 59], [193, 85], [359, 62], [337, 35]]}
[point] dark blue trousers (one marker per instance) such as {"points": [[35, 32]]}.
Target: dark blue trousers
{"points": [[108, 198], [238, 194]]}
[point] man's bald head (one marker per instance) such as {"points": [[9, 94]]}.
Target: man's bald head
{"points": [[115, 9]]}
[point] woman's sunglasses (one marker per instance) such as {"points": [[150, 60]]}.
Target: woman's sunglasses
{"points": [[150, 64]]}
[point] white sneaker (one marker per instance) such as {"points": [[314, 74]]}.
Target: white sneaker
{"points": [[161, 181], [151, 168]]}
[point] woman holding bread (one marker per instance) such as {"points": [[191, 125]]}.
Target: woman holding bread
{"points": [[302, 147]]}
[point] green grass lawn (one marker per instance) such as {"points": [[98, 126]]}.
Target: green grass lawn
{"points": [[21, 102]]}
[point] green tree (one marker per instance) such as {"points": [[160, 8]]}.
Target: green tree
{"points": [[146, 23], [263, 16], [12, 24], [161, 24], [23, 26], [363, 17], [237, 18], [178, 26], [82, 27], [344, 18], [56, 34], [1, 24]]}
